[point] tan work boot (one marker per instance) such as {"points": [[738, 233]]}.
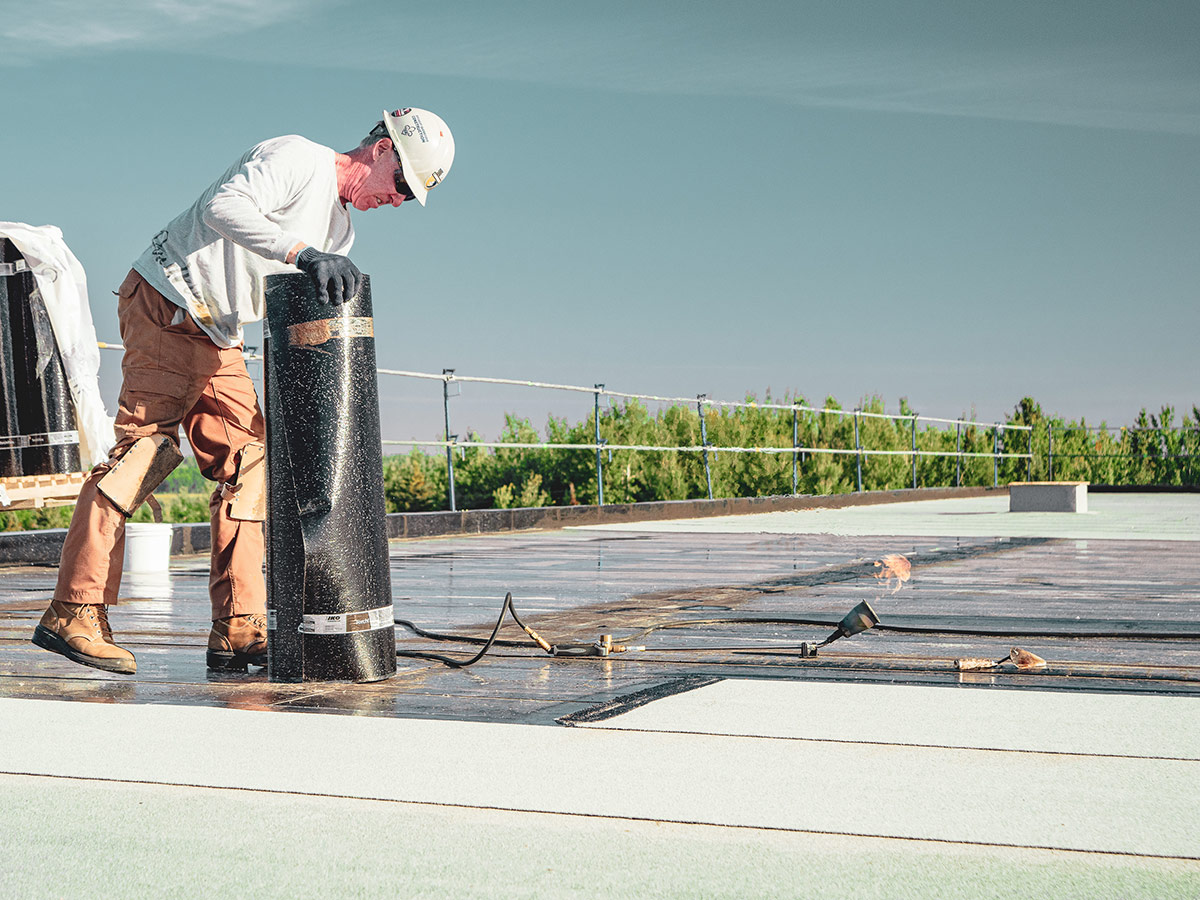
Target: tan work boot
{"points": [[236, 641], [80, 632]]}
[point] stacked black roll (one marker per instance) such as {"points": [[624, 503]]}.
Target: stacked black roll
{"points": [[36, 412], [10, 430], [329, 594]]}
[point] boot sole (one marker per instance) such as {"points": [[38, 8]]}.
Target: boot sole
{"points": [[48, 640], [229, 661]]}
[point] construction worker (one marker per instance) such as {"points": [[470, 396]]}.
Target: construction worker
{"points": [[282, 205]]}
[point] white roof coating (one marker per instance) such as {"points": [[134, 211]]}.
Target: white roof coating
{"points": [[1114, 804], [1142, 725]]}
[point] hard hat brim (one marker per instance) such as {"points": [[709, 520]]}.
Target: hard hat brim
{"points": [[415, 184]]}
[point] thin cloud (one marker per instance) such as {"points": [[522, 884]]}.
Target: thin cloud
{"points": [[1081, 88], [56, 26]]}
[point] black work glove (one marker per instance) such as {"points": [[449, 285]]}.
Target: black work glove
{"points": [[336, 278]]}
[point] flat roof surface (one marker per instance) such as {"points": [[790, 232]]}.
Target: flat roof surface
{"points": [[717, 761], [1110, 516]]}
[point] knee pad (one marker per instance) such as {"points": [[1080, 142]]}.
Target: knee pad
{"points": [[139, 471], [249, 502]]}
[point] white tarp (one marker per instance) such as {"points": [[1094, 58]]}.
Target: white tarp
{"points": [[63, 286]]}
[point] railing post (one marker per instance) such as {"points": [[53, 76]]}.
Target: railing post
{"points": [[599, 464], [1029, 461], [1188, 455], [914, 451], [704, 441], [1049, 452], [795, 450], [1125, 445], [958, 454], [858, 457], [996, 455], [447, 375]]}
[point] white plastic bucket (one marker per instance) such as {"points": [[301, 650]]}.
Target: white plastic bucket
{"points": [[147, 547]]}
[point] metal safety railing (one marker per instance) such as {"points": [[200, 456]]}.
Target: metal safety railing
{"points": [[706, 450]]}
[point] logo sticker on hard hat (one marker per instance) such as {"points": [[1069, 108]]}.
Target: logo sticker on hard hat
{"points": [[420, 129], [434, 179], [408, 131]]}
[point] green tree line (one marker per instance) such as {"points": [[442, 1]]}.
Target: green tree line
{"points": [[1156, 450]]}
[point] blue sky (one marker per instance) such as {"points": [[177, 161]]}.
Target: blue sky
{"points": [[958, 203]]}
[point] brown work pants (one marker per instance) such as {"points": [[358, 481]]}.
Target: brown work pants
{"points": [[173, 375]]}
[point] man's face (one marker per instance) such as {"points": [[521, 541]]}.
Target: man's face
{"points": [[384, 184]]}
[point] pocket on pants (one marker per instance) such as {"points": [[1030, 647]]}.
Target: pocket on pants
{"points": [[153, 396]]}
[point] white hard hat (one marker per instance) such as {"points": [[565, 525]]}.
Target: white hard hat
{"points": [[425, 146]]}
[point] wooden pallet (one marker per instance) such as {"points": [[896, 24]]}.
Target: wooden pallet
{"points": [[34, 491]]}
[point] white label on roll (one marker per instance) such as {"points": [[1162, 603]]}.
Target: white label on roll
{"points": [[348, 623]]}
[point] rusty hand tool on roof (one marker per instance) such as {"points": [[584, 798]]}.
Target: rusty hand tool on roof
{"points": [[1022, 659]]}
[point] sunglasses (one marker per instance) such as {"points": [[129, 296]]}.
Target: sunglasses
{"points": [[402, 187]]}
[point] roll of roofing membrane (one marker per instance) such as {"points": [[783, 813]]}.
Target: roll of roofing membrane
{"points": [[44, 407], [329, 594]]}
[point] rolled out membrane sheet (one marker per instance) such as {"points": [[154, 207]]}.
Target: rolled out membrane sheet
{"points": [[329, 594]]}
